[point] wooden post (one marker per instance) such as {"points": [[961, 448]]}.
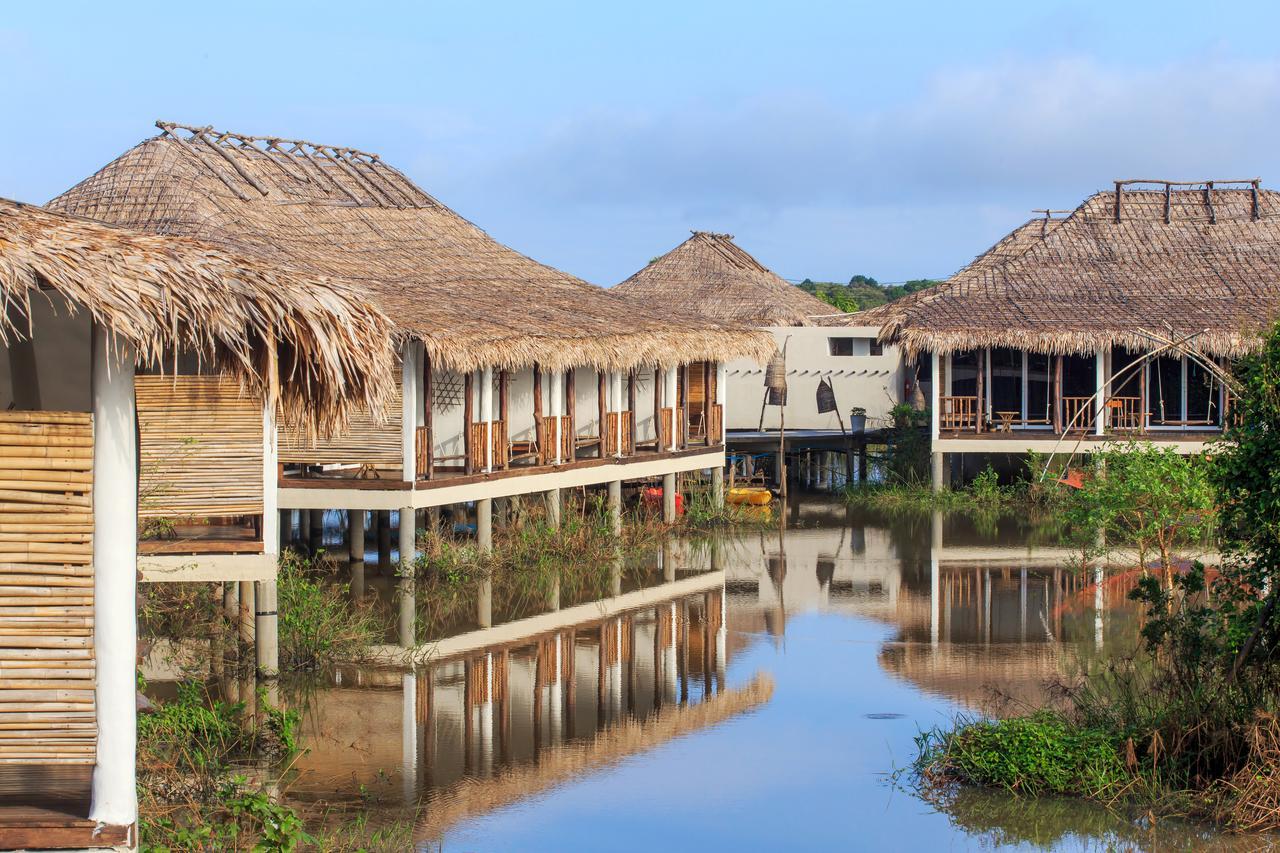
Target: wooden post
{"points": [[1057, 391], [543, 455], [682, 394], [571, 411], [467, 412], [1142, 397], [427, 423], [631, 394], [980, 404], [657, 410], [708, 396], [602, 400]]}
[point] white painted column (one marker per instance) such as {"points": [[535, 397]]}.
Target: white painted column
{"points": [[555, 696], [486, 720], [484, 525], [408, 597], [270, 482], [267, 621], [557, 407], [486, 415], [1100, 402], [355, 527], [935, 572], [617, 380], [670, 396], [615, 506], [409, 737], [935, 421], [115, 569], [410, 377]]}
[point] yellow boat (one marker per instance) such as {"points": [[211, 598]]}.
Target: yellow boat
{"points": [[750, 495]]}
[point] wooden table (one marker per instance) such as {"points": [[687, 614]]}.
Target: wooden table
{"points": [[1006, 420]]}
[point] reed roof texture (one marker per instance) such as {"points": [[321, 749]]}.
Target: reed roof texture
{"points": [[709, 275], [1179, 260], [170, 294], [346, 214]]}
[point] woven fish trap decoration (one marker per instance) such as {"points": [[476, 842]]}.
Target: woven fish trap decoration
{"points": [[775, 375]]}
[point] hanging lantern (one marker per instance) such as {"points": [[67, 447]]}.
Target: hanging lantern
{"points": [[826, 397], [775, 375]]}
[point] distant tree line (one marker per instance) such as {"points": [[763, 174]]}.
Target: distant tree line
{"points": [[862, 291]]}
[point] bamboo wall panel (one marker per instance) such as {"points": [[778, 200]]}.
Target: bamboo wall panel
{"points": [[366, 441], [200, 447], [501, 447], [46, 589], [628, 434]]}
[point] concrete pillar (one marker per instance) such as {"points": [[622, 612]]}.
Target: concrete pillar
{"points": [[670, 397], [115, 569], [484, 603], [486, 414], [668, 558], [936, 472], [248, 611], [935, 421], [557, 406], [615, 573], [484, 525], [231, 605], [554, 501], [384, 539], [669, 498], [935, 555], [553, 594], [304, 528], [409, 737], [316, 540], [1100, 402], [717, 487], [408, 599], [267, 629], [355, 528], [270, 477], [615, 506], [411, 405]]}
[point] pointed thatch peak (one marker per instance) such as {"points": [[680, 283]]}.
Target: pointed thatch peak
{"points": [[1198, 259], [709, 275], [345, 214]]}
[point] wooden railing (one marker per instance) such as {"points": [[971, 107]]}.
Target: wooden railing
{"points": [[547, 449], [501, 449], [46, 581], [1077, 414], [664, 428], [1124, 414], [956, 413], [715, 423], [628, 434], [423, 461]]}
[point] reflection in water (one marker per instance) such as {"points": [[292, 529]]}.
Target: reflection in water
{"points": [[871, 628]]}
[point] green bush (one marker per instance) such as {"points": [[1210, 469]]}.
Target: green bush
{"points": [[319, 623], [1040, 754]]}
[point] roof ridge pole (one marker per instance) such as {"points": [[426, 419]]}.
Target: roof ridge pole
{"points": [[374, 195], [1118, 185], [1208, 200], [1168, 203], [226, 155], [203, 158], [305, 160], [1253, 207], [301, 174], [250, 142], [353, 157]]}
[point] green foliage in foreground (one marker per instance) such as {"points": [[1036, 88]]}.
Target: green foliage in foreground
{"points": [[320, 625], [1040, 754]]}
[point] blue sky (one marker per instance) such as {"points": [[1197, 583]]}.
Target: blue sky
{"points": [[890, 139]]}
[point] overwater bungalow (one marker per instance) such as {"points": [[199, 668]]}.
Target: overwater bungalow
{"points": [[709, 275], [513, 377], [95, 316], [1098, 324]]}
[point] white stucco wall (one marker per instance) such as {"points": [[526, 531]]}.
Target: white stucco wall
{"points": [[873, 382]]}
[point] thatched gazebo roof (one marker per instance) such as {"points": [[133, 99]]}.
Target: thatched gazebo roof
{"points": [[1182, 259], [709, 275], [166, 294], [342, 213]]}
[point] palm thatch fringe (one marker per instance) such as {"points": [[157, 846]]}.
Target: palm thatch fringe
{"points": [[171, 294], [336, 212]]}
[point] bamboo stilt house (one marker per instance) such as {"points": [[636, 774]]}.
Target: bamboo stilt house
{"points": [[482, 329], [85, 304], [1112, 319], [709, 275]]}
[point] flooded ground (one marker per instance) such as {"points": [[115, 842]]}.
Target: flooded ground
{"points": [[754, 692]]}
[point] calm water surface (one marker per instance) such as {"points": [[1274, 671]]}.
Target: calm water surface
{"points": [[752, 693]]}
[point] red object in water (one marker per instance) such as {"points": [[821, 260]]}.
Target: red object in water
{"points": [[652, 495]]}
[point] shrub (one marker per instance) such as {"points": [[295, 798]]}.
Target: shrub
{"points": [[319, 623]]}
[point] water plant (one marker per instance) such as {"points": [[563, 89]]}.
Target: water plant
{"points": [[320, 624]]}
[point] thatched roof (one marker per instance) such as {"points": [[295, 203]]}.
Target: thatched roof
{"points": [[709, 275], [343, 213], [166, 294], [1205, 261]]}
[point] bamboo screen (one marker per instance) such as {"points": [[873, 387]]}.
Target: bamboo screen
{"points": [[366, 441], [46, 589], [200, 447]]}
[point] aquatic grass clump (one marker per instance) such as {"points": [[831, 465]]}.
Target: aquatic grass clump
{"points": [[320, 625], [1037, 755]]}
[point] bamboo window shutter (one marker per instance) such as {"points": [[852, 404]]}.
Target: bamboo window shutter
{"points": [[366, 440], [46, 589], [200, 447]]}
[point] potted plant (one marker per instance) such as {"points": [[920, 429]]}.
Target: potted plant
{"points": [[857, 419]]}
